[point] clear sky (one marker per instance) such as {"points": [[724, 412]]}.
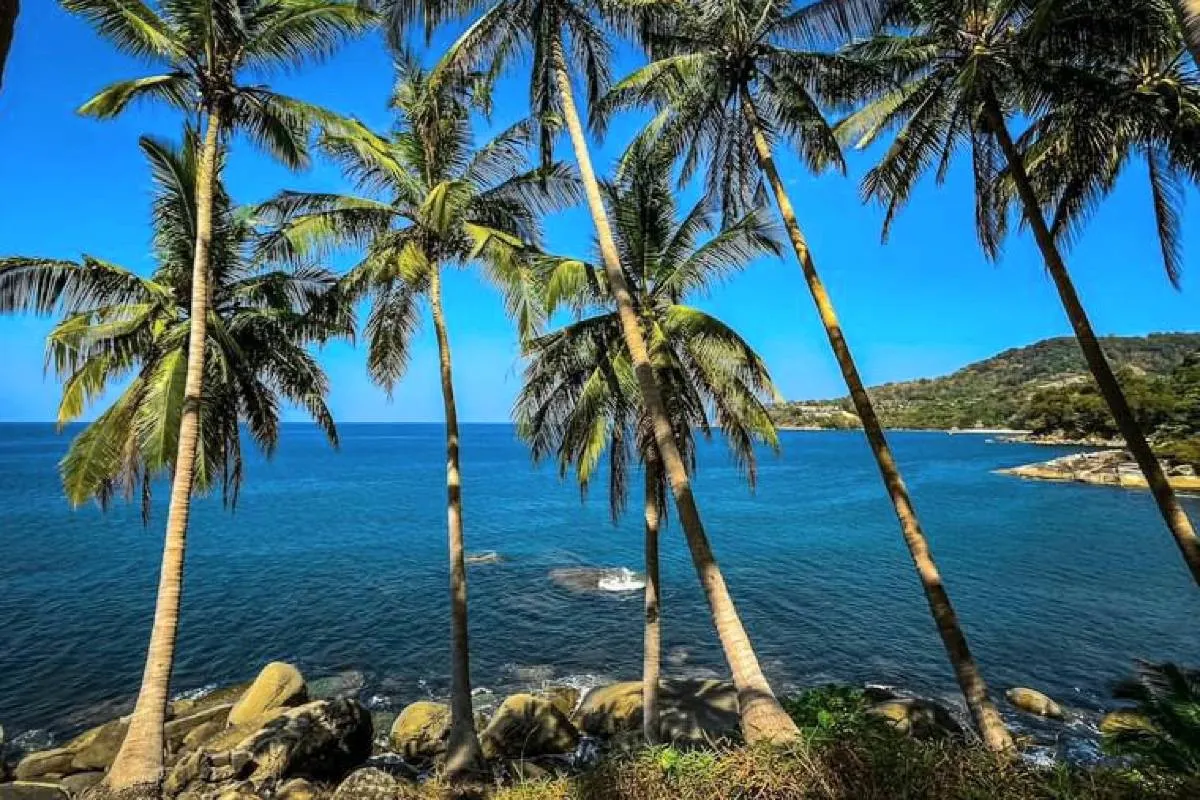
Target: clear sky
{"points": [[923, 305]]}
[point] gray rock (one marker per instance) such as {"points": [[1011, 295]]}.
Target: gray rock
{"points": [[525, 725], [420, 732], [368, 783], [46, 763], [30, 790], [691, 712], [1034, 702], [921, 719], [80, 782], [321, 741]]}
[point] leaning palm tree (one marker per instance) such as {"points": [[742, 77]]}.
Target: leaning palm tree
{"points": [[956, 72], [580, 398], [546, 27], [119, 326], [730, 83], [208, 49], [432, 200]]}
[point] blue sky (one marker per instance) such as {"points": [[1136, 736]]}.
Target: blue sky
{"points": [[922, 305]]}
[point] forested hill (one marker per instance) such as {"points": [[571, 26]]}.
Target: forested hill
{"points": [[1044, 386]]}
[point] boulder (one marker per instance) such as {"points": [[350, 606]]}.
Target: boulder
{"points": [[279, 685], [609, 710], [96, 749], [296, 789], [229, 738], [225, 696], [921, 719], [31, 790], [46, 763], [368, 783], [321, 741], [698, 712], [691, 712], [564, 698], [202, 734], [420, 732], [1034, 702], [212, 719], [80, 782], [525, 725], [1125, 721]]}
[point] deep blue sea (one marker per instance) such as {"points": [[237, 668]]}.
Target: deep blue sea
{"points": [[336, 561]]}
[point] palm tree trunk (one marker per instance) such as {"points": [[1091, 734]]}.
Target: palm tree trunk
{"points": [[1189, 19], [763, 718], [464, 757], [8, 25], [970, 680], [652, 640], [139, 763], [1168, 504]]}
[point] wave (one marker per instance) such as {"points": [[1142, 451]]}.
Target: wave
{"points": [[598, 579]]}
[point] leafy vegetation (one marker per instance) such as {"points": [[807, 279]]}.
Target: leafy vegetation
{"points": [[1044, 388], [1168, 697]]}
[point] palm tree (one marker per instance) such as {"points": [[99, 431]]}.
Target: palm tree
{"points": [[207, 49], [580, 397], [432, 200], [730, 82], [502, 33], [118, 325], [9, 9], [956, 72]]}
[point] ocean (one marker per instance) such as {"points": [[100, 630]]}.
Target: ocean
{"points": [[336, 561]]}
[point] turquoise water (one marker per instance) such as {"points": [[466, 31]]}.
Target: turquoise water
{"points": [[336, 561]]}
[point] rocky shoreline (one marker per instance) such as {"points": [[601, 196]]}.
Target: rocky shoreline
{"points": [[276, 739], [1104, 468]]}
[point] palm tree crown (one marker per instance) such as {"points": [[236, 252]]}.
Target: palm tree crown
{"points": [[718, 64], [580, 397], [1122, 90], [428, 198], [118, 325], [209, 48]]}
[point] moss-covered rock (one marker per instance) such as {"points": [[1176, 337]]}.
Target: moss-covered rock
{"points": [[368, 783], [609, 710], [1125, 721], [564, 698], [921, 719], [526, 725], [420, 732], [279, 685], [46, 763], [1034, 702], [32, 790]]}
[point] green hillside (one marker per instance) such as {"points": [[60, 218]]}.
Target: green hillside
{"points": [[1043, 387]]}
